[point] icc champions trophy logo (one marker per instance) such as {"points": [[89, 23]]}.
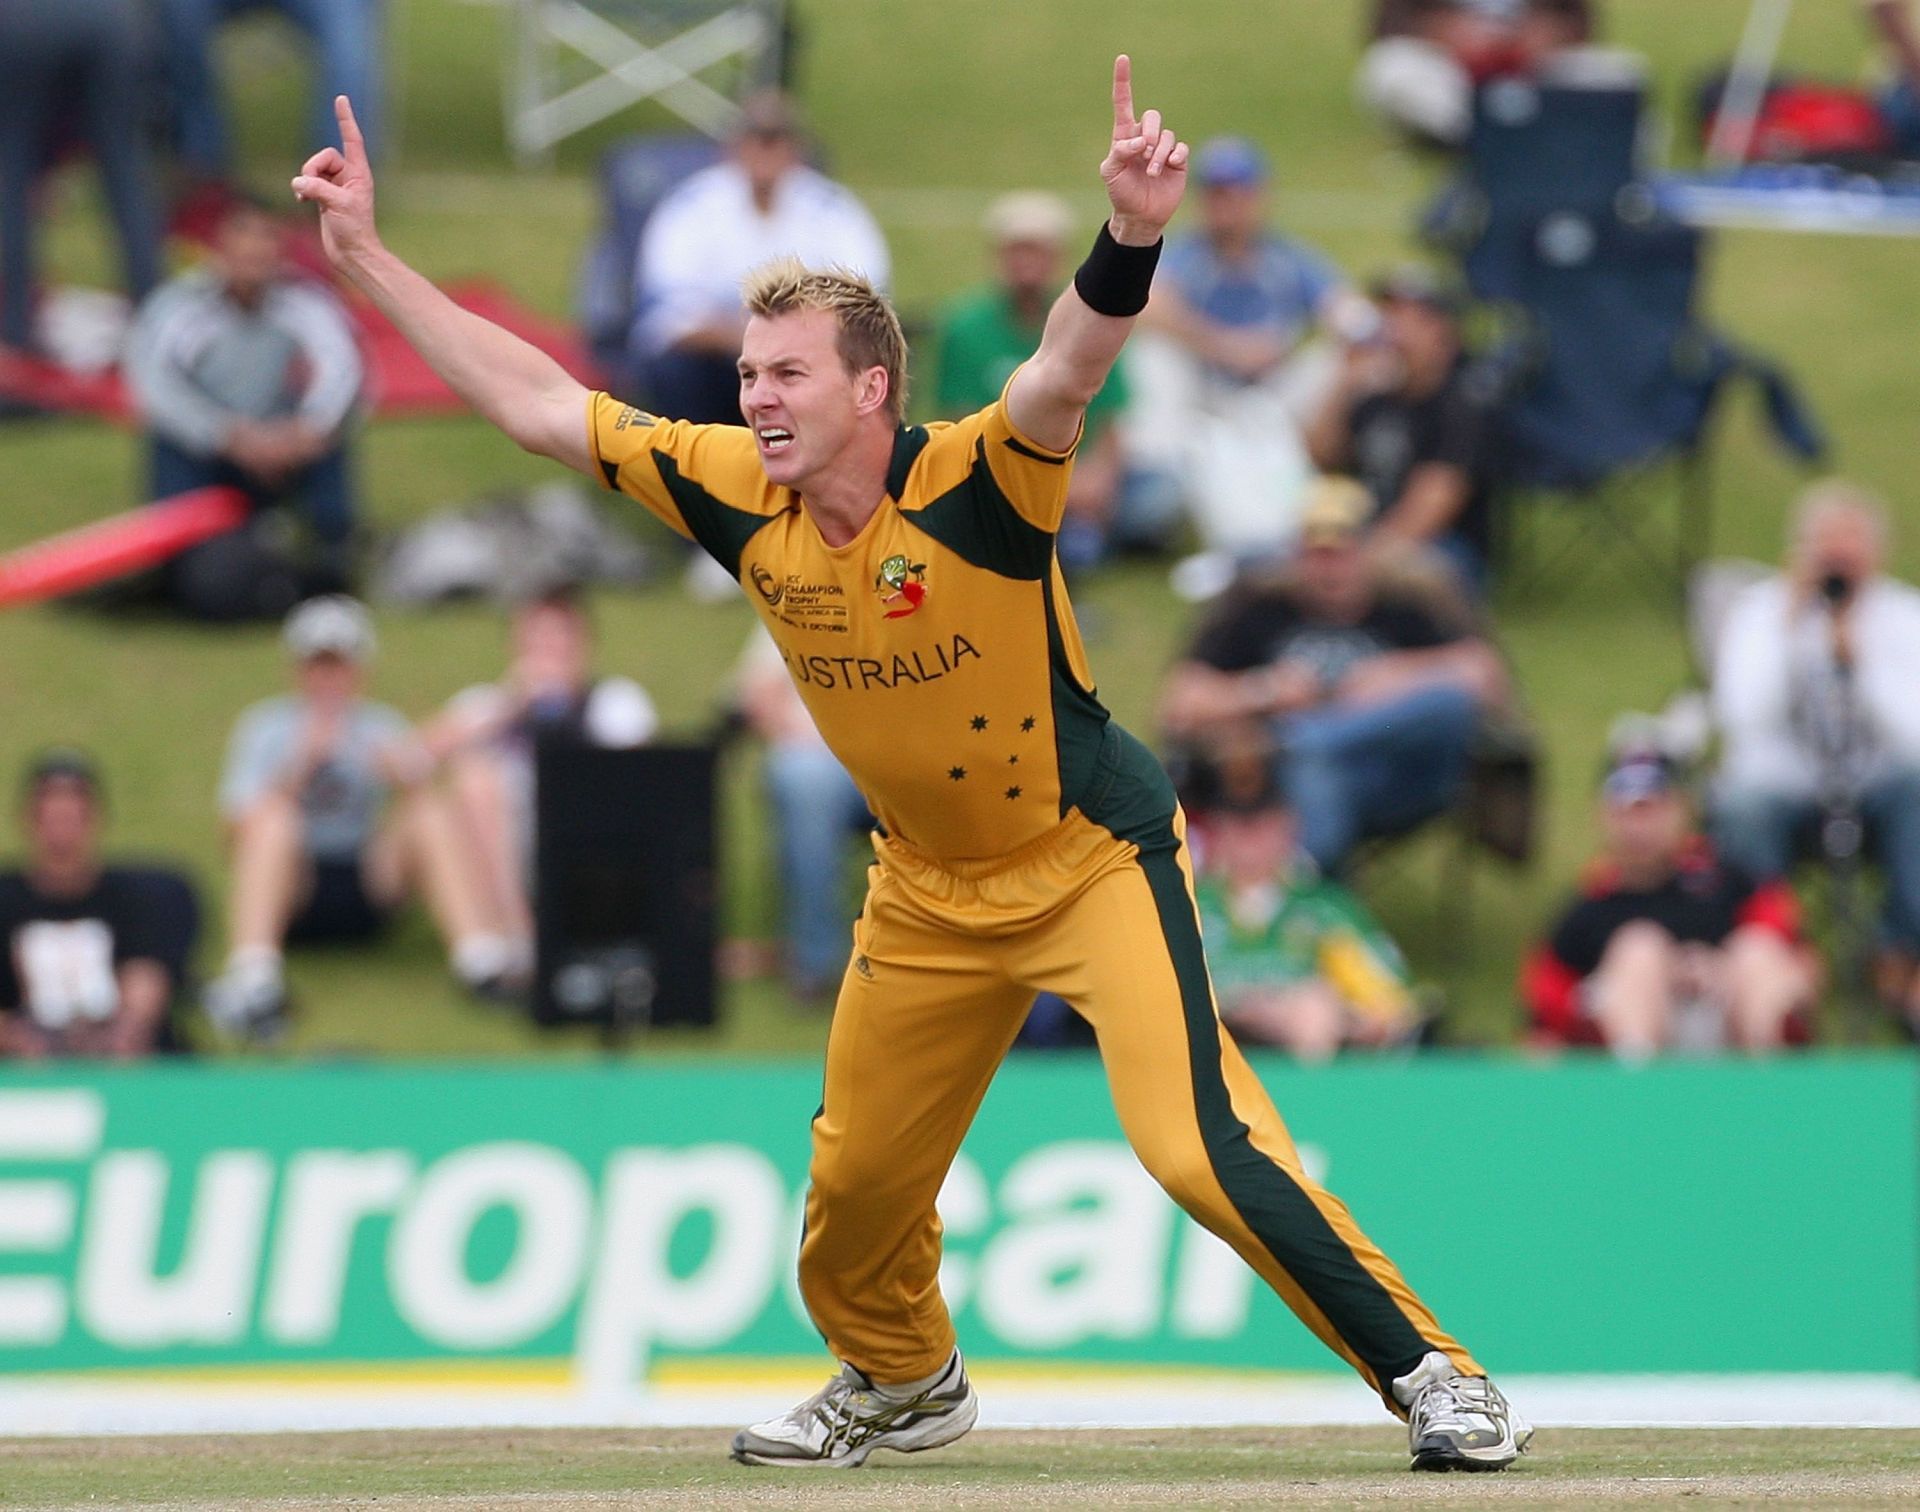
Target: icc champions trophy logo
{"points": [[902, 583]]}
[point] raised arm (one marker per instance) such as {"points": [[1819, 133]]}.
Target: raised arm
{"points": [[515, 386], [1145, 172]]}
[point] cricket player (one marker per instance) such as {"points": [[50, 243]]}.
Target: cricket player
{"points": [[1025, 842]]}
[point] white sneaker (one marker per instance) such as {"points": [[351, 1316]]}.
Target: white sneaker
{"points": [[249, 999], [1458, 1422], [850, 1417]]}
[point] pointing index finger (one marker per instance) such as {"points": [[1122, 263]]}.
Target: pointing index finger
{"points": [[1122, 95], [354, 144]]}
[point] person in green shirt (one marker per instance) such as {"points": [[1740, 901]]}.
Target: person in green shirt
{"points": [[987, 332], [1297, 960]]}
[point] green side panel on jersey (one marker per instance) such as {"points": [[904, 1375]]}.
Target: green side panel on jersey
{"points": [[718, 526], [1081, 722], [976, 522]]}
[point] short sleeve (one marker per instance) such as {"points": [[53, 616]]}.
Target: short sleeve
{"points": [[1234, 639], [703, 481], [1579, 938], [1465, 430], [626, 443], [387, 726], [260, 746], [1319, 279], [1032, 477]]}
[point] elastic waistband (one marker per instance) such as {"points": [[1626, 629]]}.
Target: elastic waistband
{"points": [[1063, 836], [1002, 895]]}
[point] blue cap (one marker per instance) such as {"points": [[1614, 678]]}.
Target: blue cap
{"points": [[1230, 161], [1634, 776]]}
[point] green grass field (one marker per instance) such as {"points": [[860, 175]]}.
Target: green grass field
{"points": [[1198, 1469], [927, 108]]}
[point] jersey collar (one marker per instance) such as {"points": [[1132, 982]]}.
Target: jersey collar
{"points": [[908, 442]]}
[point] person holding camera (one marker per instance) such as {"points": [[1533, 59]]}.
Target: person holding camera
{"points": [[1813, 678]]}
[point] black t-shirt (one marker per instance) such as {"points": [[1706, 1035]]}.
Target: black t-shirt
{"points": [[1259, 627], [1701, 903], [1391, 435], [61, 955]]}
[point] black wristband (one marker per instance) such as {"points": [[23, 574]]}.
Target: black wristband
{"points": [[1114, 280]]}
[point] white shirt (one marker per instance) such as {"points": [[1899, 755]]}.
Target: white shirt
{"points": [[196, 361], [706, 236], [1776, 690]]}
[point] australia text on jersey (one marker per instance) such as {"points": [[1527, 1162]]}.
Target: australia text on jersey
{"points": [[861, 672]]}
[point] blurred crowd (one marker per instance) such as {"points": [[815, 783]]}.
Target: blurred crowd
{"points": [[1314, 453]]}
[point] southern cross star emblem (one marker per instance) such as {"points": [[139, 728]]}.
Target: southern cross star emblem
{"points": [[957, 773], [978, 722], [1013, 792]]}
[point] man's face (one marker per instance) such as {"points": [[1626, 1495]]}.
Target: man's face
{"points": [[1251, 848], [551, 648], [329, 679], [1842, 542], [1233, 212], [1334, 582], [797, 395], [247, 254], [1646, 832], [1028, 269], [1424, 338], [766, 157], [62, 822]]}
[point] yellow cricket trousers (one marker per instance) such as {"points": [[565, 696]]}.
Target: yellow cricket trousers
{"points": [[947, 959]]}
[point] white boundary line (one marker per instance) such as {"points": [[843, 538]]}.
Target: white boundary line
{"points": [[68, 1406]]}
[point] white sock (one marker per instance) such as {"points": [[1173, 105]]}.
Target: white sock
{"points": [[901, 1390], [258, 963], [478, 958]]}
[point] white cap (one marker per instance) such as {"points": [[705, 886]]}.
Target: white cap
{"points": [[332, 625], [1028, 215]]}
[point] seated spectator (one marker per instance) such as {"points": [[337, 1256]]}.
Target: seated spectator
{"points": [[989, 331], [247, 376], [487, 737], [92, 956], [71, 63], [1425, 58], [1814, 684], [1667, 947], [703, 238], [1221, 382], [1412, 417], [815, 809], [347, 53], [1900, 100], [1370, 680], [1296, 959], [319, 854]]}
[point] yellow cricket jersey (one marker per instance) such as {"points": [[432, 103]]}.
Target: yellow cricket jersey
{"points": [[936, 650]]}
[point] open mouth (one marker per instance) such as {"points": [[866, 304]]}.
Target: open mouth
{"points": [[773, 438]]}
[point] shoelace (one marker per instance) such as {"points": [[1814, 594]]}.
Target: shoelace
{"points": [[831, 1404], [1461, 1394]]}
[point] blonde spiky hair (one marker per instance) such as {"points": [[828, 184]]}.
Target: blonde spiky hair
{"points": [[870, 334]]}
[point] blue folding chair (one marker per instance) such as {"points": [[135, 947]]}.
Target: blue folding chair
{"points": [[635, 176], [1612, 377]]}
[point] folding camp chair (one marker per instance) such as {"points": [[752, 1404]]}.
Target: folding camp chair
{"points": [[576, 62], [1614, 378]]}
